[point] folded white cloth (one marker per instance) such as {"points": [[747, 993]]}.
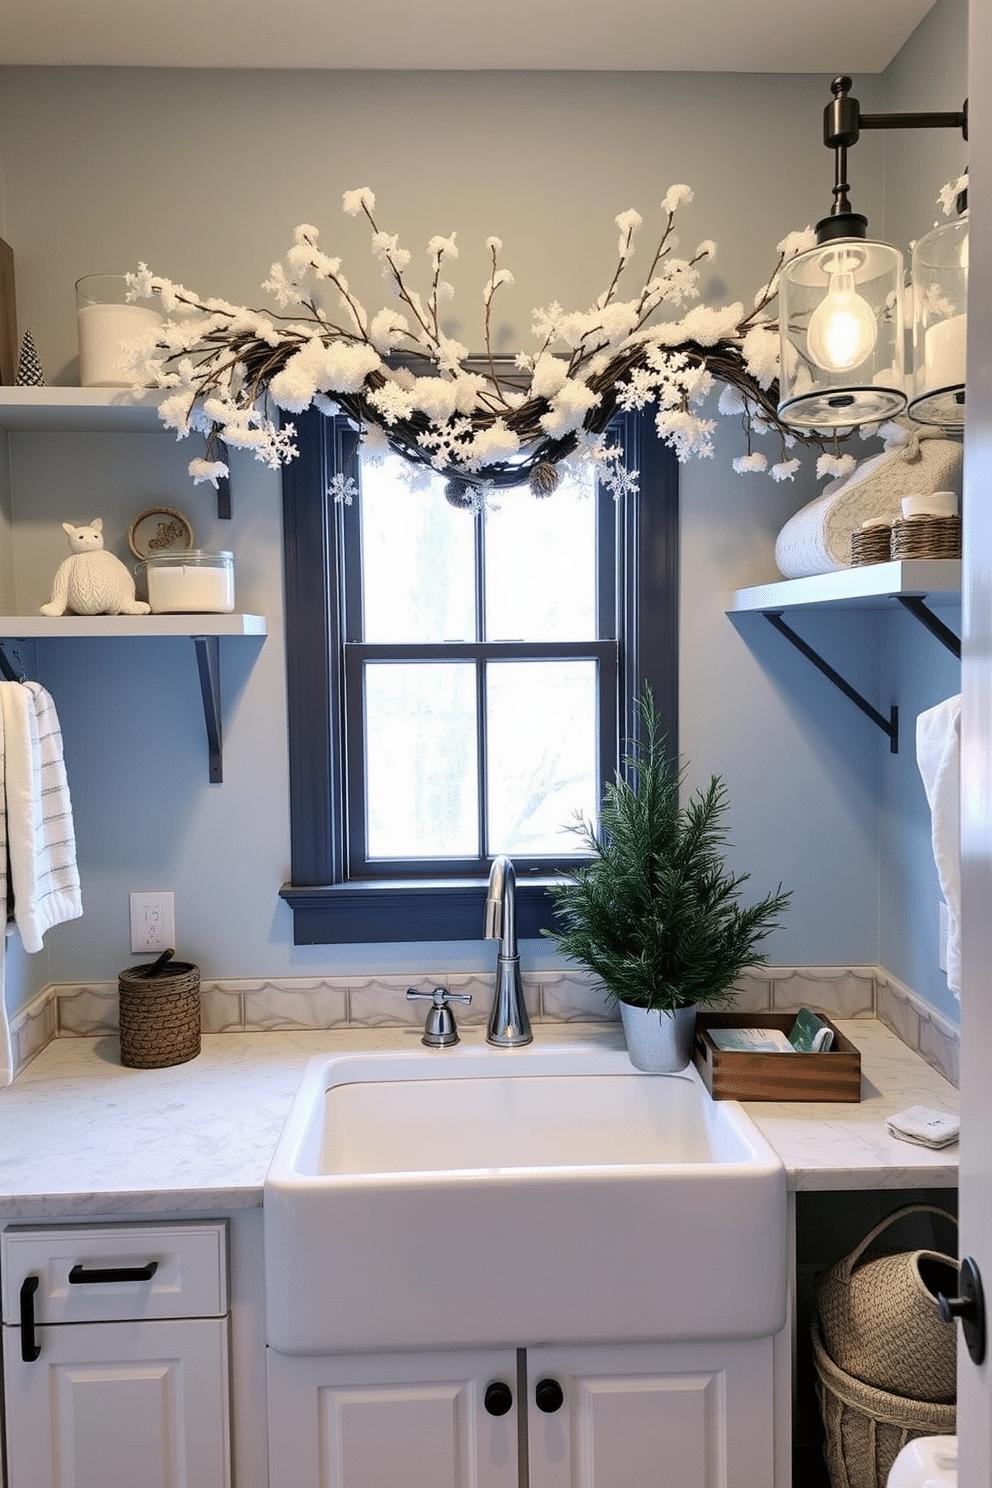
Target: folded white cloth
{"points": [[938, 754], [37, 837], [925, 1127]]}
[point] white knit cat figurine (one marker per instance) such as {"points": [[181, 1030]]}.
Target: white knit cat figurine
{"points": [[91, 581]]}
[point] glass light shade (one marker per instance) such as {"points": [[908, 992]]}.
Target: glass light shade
{"points": [[940, 303], [840, 311]]}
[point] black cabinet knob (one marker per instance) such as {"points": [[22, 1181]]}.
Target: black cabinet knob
{"points": [[549, 1396], [498, 1398]]}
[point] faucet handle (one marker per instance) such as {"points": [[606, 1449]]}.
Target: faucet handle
{"points": [[439, 1031], [440, 996]]}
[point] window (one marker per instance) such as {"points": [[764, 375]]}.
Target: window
{"points": [[458, 686]]}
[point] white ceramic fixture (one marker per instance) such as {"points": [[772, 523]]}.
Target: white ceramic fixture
{"points": [[447, 1198]]}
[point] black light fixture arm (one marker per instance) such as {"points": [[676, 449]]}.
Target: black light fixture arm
{"points": [[843, 122], [843, 119]]}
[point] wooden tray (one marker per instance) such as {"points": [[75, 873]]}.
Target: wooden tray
{"points": [[834, 1076]]}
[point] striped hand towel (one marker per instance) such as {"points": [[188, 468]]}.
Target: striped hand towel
{"points": [[41, 843]]}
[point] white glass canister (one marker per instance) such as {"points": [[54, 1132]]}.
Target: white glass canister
{"points": [[940, 306], [193, 581], [103, 319]]}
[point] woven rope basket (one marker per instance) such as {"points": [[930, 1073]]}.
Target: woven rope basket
{"points": [[866, 1428], [879, 1318], [159, 1015]]}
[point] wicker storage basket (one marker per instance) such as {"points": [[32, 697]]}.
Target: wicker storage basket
{"points": [[871, 545], [879, 1318], [866, 1428], [927, 537], [159, 1015]]}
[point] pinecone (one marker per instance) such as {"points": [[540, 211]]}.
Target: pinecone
{"points": [[29, 373], [459, 494], [544, 479]]}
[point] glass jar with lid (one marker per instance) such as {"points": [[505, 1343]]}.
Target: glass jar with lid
{"points": [[190, 581]]}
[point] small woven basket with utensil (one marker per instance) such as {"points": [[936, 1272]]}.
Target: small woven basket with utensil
{"points": [[159, 1013]]}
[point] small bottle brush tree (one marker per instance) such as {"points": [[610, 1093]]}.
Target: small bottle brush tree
{"points": [[655, 913]]}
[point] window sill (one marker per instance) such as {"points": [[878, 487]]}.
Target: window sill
{"points": [[361, 913]]}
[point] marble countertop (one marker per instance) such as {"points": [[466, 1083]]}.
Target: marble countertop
{"points": [[81, 1136]]}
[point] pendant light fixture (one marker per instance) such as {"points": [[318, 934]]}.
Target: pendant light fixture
{"points": [[841, 303]]}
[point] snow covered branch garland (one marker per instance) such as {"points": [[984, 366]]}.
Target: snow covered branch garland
{"points": [[482, 422]]}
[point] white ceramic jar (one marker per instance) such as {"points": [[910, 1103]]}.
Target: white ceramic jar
{"points": [[190, 581]]}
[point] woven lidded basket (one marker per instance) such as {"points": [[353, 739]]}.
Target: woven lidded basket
{"points": [[159, 1015], [867, 1428], [880, 1320]]}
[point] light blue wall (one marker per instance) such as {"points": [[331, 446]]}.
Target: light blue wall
{"points": [[204, 175]]}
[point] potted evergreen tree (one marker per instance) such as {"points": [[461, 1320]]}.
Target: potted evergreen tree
{"points": [[655, 913]]}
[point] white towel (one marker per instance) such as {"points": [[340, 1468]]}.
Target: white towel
{"points": [[37, 837], [6, 1052], [938, 754]]}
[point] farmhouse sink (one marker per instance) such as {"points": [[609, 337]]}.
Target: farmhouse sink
{"points": [[440, 1198]]}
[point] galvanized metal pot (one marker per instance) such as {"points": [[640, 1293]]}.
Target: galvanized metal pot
{"points": [[658, 1041]]}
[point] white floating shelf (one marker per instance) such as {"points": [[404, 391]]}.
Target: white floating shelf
{"points": [[62, 627], [911, 585], [80, 410], [205, 631], [869, 586]]}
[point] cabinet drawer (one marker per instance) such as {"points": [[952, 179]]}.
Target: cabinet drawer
{"points": [[108, 1273]]}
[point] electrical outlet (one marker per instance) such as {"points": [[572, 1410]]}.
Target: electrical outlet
{"points": [[942, 938], [153, 921]]}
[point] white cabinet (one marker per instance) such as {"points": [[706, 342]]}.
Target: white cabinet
{"points": [[699, 1415], [392, 1421], [115, 1353], [693, 1415]]}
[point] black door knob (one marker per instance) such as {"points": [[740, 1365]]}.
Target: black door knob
{"points": [[548, 1396], [969, 1307], [498, 1398]]}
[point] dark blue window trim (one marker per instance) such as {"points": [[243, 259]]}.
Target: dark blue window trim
{"points": [[327, 907]]}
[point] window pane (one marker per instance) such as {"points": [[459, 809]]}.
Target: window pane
{"points": [[542, 727], [418, 571], [420, 753], [541, 564]]}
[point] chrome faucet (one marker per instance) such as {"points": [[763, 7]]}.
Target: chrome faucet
{"points": [[509, 1024]]}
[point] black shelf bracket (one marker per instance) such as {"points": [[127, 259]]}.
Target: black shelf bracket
{"points": [[916, 605], [889, 726], [8, 670], [207, 648]]}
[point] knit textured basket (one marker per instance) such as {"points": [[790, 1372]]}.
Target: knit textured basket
{"points": [[867, 1428], [159, 1015], [817, 539], [880, 1321]]}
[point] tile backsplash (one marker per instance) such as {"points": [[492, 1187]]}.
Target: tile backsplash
{"points": [[266, 1003]]}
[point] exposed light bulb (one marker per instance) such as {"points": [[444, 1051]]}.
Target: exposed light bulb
{"points": [[842, 329]]}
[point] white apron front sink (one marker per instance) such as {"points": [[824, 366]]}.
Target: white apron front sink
{"points": [[449, 1198]]}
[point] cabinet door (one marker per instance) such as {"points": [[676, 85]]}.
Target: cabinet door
{"points": [[391, 1421], [119, 1405], [651, 1416]]}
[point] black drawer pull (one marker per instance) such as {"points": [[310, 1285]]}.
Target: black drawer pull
{"points": [[29, 1348], [80, 1275]]}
